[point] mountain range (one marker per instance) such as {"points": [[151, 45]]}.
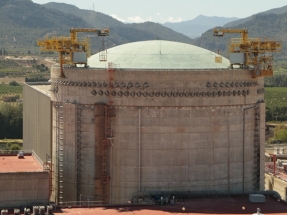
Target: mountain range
{"points": [[277, 11], [23, 22], [271, 24], [195, 27]]}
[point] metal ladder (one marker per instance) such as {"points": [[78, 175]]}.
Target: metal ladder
{"points": [[61, 151], [78, 151], [257, 148], [108, 136]]}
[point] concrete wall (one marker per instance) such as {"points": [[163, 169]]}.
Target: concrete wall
{"points": [[192, 81], [73, 125], [24, 189], [276, 184], [191, 140], [183, 149], [36, 122]]}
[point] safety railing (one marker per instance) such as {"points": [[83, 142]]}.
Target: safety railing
{"points": [[81, 203], [15, 152]]}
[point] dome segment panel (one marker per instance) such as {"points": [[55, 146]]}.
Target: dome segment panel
{"points": [[159, 54]]}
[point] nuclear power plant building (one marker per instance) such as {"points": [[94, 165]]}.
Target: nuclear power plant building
{"points": [[148, 117]]}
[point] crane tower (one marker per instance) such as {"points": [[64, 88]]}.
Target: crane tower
{"points": [[251, 52]]}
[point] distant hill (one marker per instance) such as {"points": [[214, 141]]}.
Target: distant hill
{"points": [[120, 33], [277, 11], [23, 22], [195, 27], [262, 25]]}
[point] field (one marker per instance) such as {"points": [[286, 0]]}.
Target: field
{"points": [[7, 90], [6, 80], [276, 96]]}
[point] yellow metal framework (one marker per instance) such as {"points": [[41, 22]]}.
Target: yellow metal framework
{"points": [[254, 51], [68, 46]]}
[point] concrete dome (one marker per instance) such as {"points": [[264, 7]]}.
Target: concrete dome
{"points": [[159, 54]]}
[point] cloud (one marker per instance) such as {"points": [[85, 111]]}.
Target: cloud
{"points": [[138, 19], [158, 13], [118, 18], [171, 19]]}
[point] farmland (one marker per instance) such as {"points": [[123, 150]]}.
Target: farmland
{"points": [[276, 97]]}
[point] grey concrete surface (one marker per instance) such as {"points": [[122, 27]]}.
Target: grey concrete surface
{"points": [[24, 189], [161, 143]]}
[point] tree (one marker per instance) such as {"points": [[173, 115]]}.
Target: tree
{"points": [[280, 133], [15, 147], [14, 83], [11, 125]]}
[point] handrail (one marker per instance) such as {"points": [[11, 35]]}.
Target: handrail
{"points": [[37, 158], [15, 152], [81, 203]]}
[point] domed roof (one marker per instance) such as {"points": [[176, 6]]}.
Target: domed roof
{"points": [[159, 54]]}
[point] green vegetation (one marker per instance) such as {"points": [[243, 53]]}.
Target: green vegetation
{"points": [[15, 147], [41, 68], [11, 144], [276, 104], [11, 118], [280, 134], [276, 97], [278, 80], [6, 89]]}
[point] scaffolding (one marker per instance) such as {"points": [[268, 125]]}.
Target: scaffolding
{"points": [[103, 52], [48, 168], [60, 145], [78, 152], [257, 148]]}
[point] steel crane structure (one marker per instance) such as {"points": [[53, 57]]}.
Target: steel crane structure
{"points": [[72, 50], [253, 52]]}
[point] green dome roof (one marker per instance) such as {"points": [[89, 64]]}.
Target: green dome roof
{"points": [[159, 54]]}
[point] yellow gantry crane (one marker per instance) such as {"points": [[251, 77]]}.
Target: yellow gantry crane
{"points": [[253, 52], [71, 50]]}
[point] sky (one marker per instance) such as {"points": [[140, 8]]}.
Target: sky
{"points": [[161, 11]]}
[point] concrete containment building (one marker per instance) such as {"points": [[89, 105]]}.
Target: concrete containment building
{"points": [[156, 116]]}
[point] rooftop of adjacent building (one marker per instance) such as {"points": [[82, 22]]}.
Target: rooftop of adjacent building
{"points": [[200, 206], [14, 164], [43, 88], [158, 54]]}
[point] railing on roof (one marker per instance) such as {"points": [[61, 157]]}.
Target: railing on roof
{"points": [[182, 195], [15, 152], [157, 69], [81, 203]]}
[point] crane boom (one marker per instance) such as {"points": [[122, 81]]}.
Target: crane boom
{"points": [[253, 52], [221, 32], [75, 49], [100, 32]]}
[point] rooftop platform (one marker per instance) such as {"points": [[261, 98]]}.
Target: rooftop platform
{"points": [[202, 206], [45, 89], [15, 164]]}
